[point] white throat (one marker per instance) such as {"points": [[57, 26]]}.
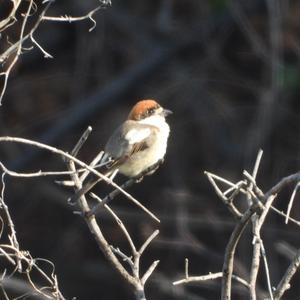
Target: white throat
{"points": [[160, 123], [156, 120]]}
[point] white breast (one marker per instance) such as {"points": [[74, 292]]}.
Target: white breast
{"points": [[134, 136], [145, 159], [162, 136]]}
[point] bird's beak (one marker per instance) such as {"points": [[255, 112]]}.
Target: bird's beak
{"points": [[166, 112]]}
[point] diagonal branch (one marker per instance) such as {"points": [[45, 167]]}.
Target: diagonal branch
{"points": [[284, 284], [230, 251]]}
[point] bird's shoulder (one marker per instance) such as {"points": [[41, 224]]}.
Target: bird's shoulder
{"points": [[130, 133]]}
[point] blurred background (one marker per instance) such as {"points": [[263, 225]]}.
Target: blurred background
{"points": [[229, 70]]}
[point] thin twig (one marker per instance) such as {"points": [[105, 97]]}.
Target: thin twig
{"points": [[294, 178], [80, 163], [210, 276], [97, 208], [255, 263], [230, 251], [119, 222], [39, 173], [81, 141], [291, 202], [94, 164], [71, 19], [221, 195], [17, 48], [149, 272], [264, 256], [281, 213], [148, 241]]}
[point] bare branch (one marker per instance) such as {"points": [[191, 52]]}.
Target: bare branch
{"points": [[230, 251], [71, 19], [95, 210], [78, 162], [110, 252], [23, 262], [11, 17], [264, 256], [148, 241], [149, 271], [291, 202], [119, 222], [97, 233], [284, 215], [15, 49], [294, 178], [227, 201], [81, 141], [284, 284], [210, 276]]}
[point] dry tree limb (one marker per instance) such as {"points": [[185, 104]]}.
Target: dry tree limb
{"points": [[284, 182], [81, 141], [289, 208], [119, 222], [97, 208], [284, 284], [281, 213], [12, 236], [39, 173], [23, 263], [133, 279], [227, 272], [294, 178], [89, 15], [97, 233], [265, 201], [226, 200], [68, 156], [16, 48], [210, 276], [259, 205], [10, 19], [12, 53], [255, 225], [230, 250]]}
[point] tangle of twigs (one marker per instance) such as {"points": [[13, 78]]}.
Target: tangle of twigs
{"points": [[25, 17]]}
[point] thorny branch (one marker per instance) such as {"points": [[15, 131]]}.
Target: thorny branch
{"points": [[26, 28], [115, 256], [259, 206]]}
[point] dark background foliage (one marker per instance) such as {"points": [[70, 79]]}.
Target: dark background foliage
{"points": [[229, 70]]}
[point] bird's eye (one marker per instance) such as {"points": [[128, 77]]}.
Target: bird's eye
{"points": [[150, 111]]}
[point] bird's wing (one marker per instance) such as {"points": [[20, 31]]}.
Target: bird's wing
{"points": [[130, 138], [125, 141]]}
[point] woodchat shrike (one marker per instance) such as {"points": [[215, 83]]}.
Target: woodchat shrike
{"points": [[137, 144]]}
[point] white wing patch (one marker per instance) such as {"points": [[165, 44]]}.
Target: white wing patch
{"points": [[134, 136]]}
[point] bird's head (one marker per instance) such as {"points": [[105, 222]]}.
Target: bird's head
{"points": [[145, 109]]}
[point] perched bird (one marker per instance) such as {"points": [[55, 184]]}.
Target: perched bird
{"points": [[137, 144]]}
